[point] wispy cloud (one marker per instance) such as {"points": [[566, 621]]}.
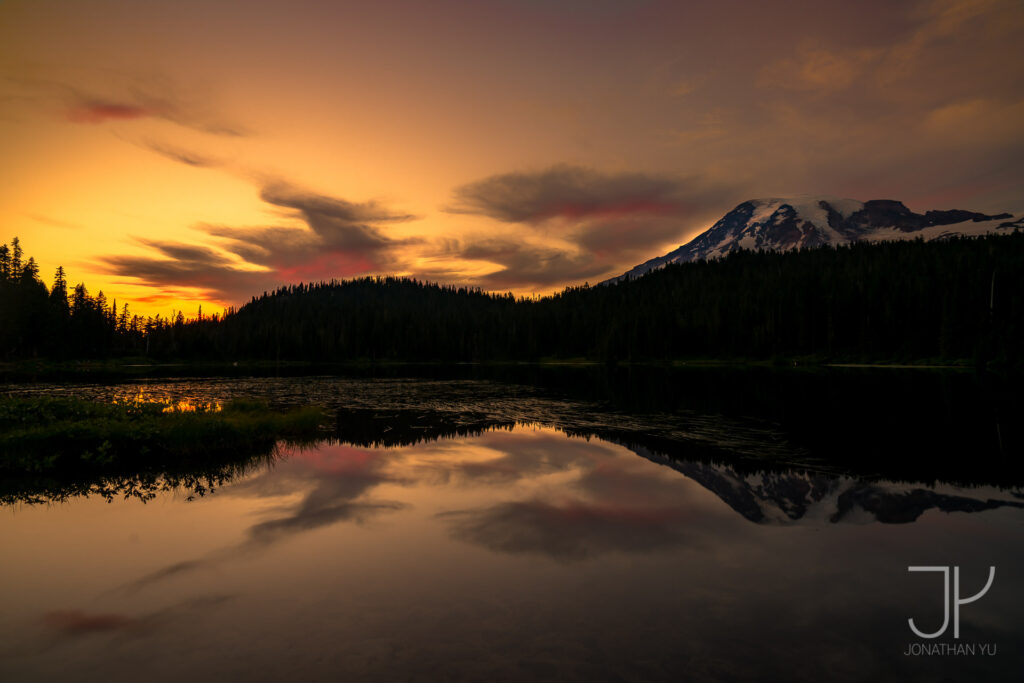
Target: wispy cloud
{"points": [[120, 98], [572, 193], [340, 239], [55, 222], [600, 220], [529, 265], [94, 111], [180, 154]]}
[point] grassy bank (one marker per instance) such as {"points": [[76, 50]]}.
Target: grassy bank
{"points": [[67, 435]]}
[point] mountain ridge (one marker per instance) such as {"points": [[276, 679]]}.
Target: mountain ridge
{"points": [[803, 222]]}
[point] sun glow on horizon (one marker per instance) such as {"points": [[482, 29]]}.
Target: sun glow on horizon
{"points": [[188, 154]]}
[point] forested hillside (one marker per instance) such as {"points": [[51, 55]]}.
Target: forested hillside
{"points": [[956, 299]]}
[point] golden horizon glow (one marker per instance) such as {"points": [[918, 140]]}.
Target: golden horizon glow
{"points": [[187, 154]]}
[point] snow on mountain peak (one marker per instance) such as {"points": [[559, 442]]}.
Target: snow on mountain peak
{"points": [[807, 221]]}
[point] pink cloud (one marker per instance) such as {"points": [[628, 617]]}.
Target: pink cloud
{"points": [[100, 112]]}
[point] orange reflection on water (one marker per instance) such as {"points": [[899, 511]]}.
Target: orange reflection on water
{"points": [[141, 401], [192, 406]]}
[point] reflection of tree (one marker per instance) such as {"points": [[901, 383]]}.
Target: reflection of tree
{"points": [[191, 477], [697, 445], [392, 428]]}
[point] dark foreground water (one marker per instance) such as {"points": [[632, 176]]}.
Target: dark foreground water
{"points": [[487, 531]]}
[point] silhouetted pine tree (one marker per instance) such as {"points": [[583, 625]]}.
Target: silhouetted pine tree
{"points": [[956, 299]]}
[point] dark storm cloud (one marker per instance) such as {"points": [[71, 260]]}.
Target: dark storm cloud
{"points": [[343, 239]]}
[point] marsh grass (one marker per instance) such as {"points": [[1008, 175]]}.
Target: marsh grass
{"points": [[68, 436]]}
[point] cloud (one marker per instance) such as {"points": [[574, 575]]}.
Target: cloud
{"points": [[180, 155], [112, 98], [604, 222], [159, 99], [55, 222], [570, 192], [340, 225], [101, 112], [325, 213], [818, 68], [341, 239], [221, 282], [529, 265]]}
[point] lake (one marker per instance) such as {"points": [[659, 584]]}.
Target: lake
{"points": [[639, 525]]}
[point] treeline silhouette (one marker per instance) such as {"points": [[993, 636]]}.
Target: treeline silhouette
{"points": [[961, 298], [54, 323]]}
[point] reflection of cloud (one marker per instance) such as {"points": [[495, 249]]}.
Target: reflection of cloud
{"points": [[523, 456], [333, 477], [307, 518], [623, 504], [572, 530], [342, 475], [77, 622], [73, 623]]}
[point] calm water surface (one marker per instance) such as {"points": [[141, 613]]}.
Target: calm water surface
{"points": [[512, 553]]}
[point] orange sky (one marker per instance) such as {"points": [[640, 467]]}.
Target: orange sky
{"points": [[182, 153]]}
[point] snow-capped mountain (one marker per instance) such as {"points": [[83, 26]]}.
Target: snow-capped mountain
{"points": [[804, 222]]}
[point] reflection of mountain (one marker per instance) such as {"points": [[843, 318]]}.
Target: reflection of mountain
{"points": [[748, 464], [741, 463], [788, 496]]}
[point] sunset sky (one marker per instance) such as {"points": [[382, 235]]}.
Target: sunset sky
{"points": [[189, 152]]}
